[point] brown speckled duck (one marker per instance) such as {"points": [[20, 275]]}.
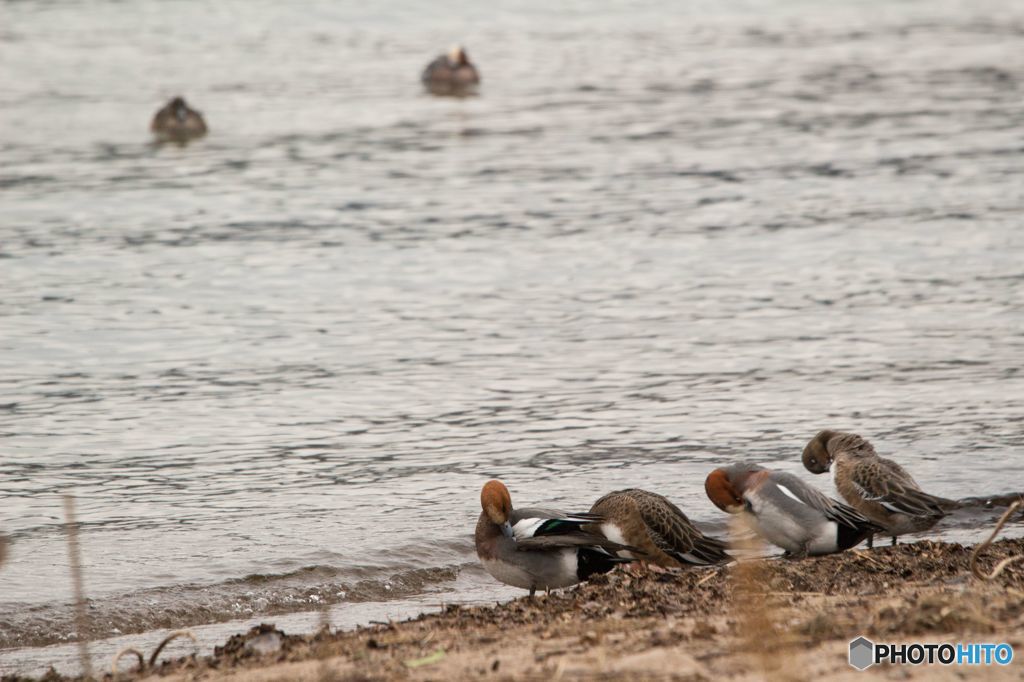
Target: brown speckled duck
{"points": [[177, 122], [539, 549], [878, 488], [651, 523], [451, 74]]}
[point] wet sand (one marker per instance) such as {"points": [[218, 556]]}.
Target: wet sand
{"points": [[767, 619]]}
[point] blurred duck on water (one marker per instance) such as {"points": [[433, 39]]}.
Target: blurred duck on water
{"points": [[451, 74], [787, 512], [177, 122], [540, 549], [651, 523], [878, 488]]}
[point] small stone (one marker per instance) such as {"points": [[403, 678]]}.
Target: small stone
{"points": [[267, 643]]}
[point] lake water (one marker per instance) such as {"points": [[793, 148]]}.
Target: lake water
{"points": [[275, 366]]}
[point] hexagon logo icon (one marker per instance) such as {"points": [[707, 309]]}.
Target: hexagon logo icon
{"points": [[862, 653]]}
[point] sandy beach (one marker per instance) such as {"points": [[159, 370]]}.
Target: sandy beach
{"points": [[764, 619]]}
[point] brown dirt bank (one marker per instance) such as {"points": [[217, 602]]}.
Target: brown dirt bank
{"points": [[772, 619]]}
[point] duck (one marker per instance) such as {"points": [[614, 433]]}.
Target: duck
{"points": [[656, 526], [786, 511], [540, 549], [878, 488], [451, 74], [176, 121]]}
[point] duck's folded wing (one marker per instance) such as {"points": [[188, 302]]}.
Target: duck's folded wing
{"points": [[895, 490], [672, 533], [578, 539], [540, 529], [798, 491], [529, 523]]}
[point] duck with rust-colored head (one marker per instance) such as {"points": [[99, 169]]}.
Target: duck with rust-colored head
{"points": [[878, 488], [451, 74], [787, 512], [651, 523], [539, 549], [177, 122]]}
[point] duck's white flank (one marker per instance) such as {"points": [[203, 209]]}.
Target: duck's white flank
{"points": [[614, 533]]}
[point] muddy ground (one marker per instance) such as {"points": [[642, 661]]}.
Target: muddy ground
{"points": [[772, 619]]}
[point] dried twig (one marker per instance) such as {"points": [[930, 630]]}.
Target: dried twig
{"points": [[167, 640], [867, 557], [975, 569], [127, 650], [75, 559], [711, 574], [143, 665]]}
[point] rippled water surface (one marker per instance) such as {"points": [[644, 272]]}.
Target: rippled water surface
{"points": [[276, 365]]}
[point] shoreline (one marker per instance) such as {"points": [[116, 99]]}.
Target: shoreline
{"points": [[693, 625]]}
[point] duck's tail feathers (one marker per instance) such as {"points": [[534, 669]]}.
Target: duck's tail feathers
{"points": [[593, 560], [916, 503], [852, 534], [706, 551]]}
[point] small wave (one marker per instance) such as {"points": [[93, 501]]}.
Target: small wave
{"points": [[306, 589]]}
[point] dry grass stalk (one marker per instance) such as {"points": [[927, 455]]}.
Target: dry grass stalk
{"points": [[711, 574], [975, 569], [123, 652], [167, 640], [325, 673], [769, 648], [75, 558], [143, 665]]}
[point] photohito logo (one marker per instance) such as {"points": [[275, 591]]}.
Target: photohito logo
{"points": [[864, 653]]}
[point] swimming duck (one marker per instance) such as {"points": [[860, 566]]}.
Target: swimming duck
{"points": [[451, 74], [787, 512], [177, 122], [539, 549], [878, 488], [651, 523]]}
